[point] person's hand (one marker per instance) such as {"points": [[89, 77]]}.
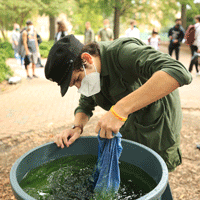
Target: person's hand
{"points": [[175, 41], [198, 51], [67, 137], [28, 53], [107, 125]]}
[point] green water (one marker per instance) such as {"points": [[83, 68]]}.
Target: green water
{"points": [[67, 179]]}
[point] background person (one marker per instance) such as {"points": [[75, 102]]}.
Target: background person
{"points": [[30, 43], [195, 47], [154, 39], [89, 34], [39, 40], [136, 84], [106, 33], [133, 31], [61, 31], [15, 41], [176, 35]]}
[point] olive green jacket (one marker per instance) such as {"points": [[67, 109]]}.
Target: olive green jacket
{"points": [[126, 64]]}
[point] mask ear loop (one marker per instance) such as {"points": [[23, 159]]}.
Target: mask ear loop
{"points": [[84, 70], [95, 68]]}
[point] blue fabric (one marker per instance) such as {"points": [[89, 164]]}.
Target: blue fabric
{"points": [[106, 177]]}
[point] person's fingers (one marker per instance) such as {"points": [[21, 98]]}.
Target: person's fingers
{"points": [[65, 138], [109, 134], [102, 133], [62, 138], [73, 139], [98, 127], [115, 130], [59, 141]]}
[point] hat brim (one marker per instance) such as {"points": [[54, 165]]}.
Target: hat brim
{"points": [[65, 85]]}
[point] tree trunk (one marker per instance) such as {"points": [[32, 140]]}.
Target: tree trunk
{"points": [[116, 22], [3, 34], [183, 15], [52, 27]]}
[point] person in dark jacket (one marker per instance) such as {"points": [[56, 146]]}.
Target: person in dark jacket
{"points": [[176, 35], [195, 47], [135, 83]]}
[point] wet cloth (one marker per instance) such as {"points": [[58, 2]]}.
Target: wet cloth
{"points": [[106, 177]]}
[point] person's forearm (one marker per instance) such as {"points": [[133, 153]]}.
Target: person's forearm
{"points": [[158, 86], [36, 44], [99, 38], [25, 45], [16, 43], [81, 119]]}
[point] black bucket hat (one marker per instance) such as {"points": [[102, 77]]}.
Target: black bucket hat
{"points": [[59, 65]]}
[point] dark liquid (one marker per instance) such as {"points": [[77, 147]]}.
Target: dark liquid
{"points": [[68, 179]]}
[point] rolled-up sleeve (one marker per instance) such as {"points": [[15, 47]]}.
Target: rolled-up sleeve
{"points": [[144, 61], [86, 105]]}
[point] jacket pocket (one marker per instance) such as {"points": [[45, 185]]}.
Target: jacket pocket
{"points": [[157, 133]]}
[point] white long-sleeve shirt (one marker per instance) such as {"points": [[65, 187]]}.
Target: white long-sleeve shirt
{"points": [[197, 35], [133, 32]]}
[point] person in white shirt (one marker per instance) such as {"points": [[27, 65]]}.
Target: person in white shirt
{"points": [[62, 31], [195, 47], [15, 41], [133, 31], [154, 39]]}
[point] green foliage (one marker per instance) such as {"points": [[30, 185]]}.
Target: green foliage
{"points": [[6, 51], [5, 71], [18, 11], [87, 10], [191, 13], [45, 48], [2, 56], [55, 7]]}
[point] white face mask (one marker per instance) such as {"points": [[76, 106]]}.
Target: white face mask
{"points": [[30, 28], [90, 84]]}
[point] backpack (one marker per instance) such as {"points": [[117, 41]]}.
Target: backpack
{"points": [[20, 49], [190, 35], [39, 39]]}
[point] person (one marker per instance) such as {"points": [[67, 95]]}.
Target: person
{"points": [[133, 31], [136, 84], [30, 43], [106, 33], [195, 47], [39, 40], [154, 39], [176, 35], [61, 31], [15, 41], [89, 34]]}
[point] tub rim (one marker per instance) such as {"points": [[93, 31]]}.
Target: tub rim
{"points": [[152, 195]]}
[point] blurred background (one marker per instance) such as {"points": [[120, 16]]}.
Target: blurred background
{"points": [[45, 13]]}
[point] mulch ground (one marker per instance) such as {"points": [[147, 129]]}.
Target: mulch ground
{"points": [[184, 181]]}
